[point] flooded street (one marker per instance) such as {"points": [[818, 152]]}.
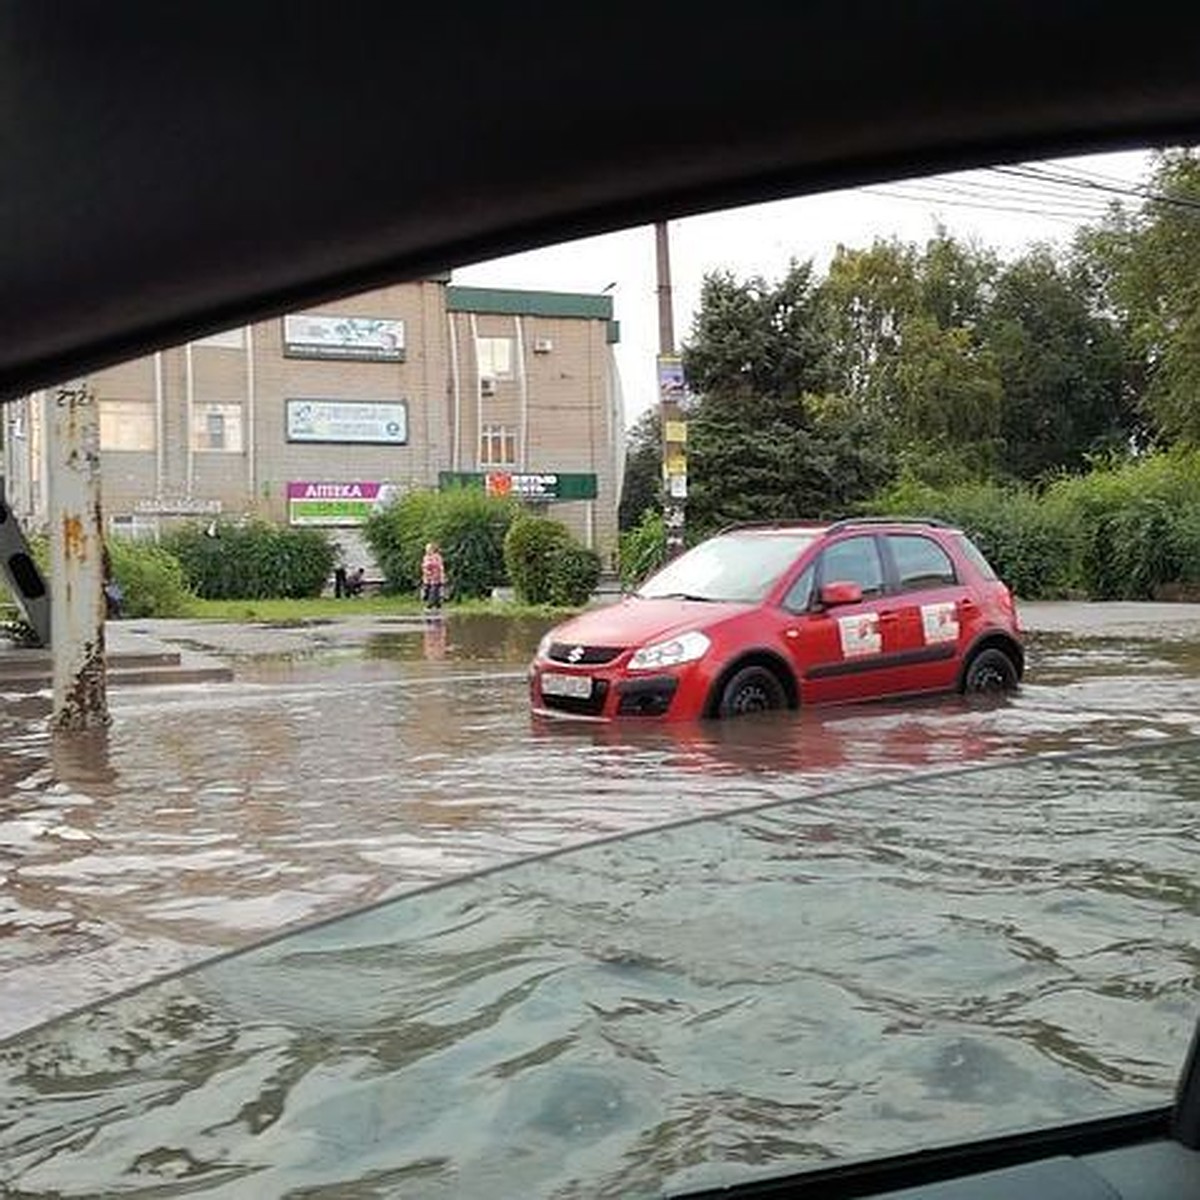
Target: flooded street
{"points": [[348, 763]]}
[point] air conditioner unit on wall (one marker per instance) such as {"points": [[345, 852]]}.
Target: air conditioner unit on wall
{"points": [[487, 385], [542, 345]]}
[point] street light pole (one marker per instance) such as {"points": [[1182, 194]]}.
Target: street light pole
{"points": [[670, 395]]}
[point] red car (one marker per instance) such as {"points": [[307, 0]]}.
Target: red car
{"points": [[766, 617]]}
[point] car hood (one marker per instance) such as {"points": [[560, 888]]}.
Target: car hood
{"points": [[634, 622]]}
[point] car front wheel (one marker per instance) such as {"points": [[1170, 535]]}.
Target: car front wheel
{"points": [[751, 690], [991, 672]]}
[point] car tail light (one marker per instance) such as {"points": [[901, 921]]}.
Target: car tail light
{"points": [[1008, 604]]}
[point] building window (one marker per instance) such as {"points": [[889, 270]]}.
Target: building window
{"points": [[495, 357], [126, 425], [227, 339], [497, 446], [217, 427]]}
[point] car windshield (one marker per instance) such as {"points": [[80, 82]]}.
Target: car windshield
{"points": [[848, 973], [735, 566]]}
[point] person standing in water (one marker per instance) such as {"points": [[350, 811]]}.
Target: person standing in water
{"points": [[433, 576]]}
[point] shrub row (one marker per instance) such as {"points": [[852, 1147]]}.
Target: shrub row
{"points": [[486, 542], [1127, 530], [547, 565], [251, 561]]}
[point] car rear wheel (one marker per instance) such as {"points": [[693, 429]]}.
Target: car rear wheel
{"points": [[750, 690], [991, 672]]}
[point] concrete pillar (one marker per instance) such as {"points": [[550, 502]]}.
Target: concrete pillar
{"points": [[77, 561]]}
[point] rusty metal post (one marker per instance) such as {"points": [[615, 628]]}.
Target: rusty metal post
{"points": [[76, 561]]}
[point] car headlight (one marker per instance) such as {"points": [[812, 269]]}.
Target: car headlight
{"points": [[685, 648], [543, 650]]}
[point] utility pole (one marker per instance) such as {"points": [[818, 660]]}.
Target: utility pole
{"points": [[77, 561], [670, 396]]}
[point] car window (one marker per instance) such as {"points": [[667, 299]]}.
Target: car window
{"points": [[800, 595], [920, 562], [854, 560], [975, 556]]}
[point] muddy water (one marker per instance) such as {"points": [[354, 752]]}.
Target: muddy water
{"points": [[324, 779]]}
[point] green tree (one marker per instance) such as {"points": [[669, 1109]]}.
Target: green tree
{"points": [[765, 440], [1148, 265], [1061, 365], [907, 350], [641, 491], [758, 338]]}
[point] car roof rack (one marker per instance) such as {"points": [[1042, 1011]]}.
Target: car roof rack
{"points": [[837, 523], [749, 525], [935, 522]]}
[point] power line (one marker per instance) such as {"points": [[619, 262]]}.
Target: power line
{"points": [[982, 190], [1050, 214], [1041, 172]]}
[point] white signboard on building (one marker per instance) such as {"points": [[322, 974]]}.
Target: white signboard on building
{"points": [[373, 339], [374, 421]]}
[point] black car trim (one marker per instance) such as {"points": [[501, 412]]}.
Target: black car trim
{"points": [[961, 1160], [880, 662]]}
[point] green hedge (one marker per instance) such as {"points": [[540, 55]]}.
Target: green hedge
{"points": [[643, 549], [151, 579], [530, 548], [252, 561], [1127, 530], [574, 574], [468, 525], [547, 565]]}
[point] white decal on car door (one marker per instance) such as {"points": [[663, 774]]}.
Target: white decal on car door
{"points": [[860, 635], [939, 622]]}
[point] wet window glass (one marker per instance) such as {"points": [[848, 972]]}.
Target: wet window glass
{"points": [[800, 595], [739, 567], [764, 991], [920, 562], [854, 560], [976, 557]]}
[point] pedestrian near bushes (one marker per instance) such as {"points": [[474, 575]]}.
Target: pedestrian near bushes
{"points": [[433, 576]]}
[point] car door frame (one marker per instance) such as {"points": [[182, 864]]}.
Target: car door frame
{"points": [[932, 665], [827, 673]]}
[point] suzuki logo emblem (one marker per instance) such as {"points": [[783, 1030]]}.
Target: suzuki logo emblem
{"points": [[576, 654]]}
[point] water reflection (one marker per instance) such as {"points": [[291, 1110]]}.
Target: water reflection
{"points": [[850, 973], [357, 769]]}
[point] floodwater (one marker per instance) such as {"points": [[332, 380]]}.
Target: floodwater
{"points": [[346, 772]]}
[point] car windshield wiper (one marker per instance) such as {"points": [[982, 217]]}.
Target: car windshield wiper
{"points": [[678, 596]]}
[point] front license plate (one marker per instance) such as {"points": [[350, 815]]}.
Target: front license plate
{"points": [[578, 687]]}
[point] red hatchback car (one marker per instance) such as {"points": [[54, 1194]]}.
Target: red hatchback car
{"points": [[765, 617]]}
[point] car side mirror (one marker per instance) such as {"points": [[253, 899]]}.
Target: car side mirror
{"points": [[840, 592]]}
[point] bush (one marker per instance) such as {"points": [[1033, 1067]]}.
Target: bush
{"points": [[530, 549], [468, 525], [252, 561], [1028, 543], [642, 549], [574, 573], [151, 579], [1126, 530], [547, 565]]}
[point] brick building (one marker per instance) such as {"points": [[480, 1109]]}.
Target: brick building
{"points": [[317, 416]]}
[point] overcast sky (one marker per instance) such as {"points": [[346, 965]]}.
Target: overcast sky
{"points": [[1007, 209]]}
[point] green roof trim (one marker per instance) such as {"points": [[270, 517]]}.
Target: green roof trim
{"points": [[511, 302]]}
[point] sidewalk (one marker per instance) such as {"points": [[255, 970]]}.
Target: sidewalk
{"points": [[1111, 618]]}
